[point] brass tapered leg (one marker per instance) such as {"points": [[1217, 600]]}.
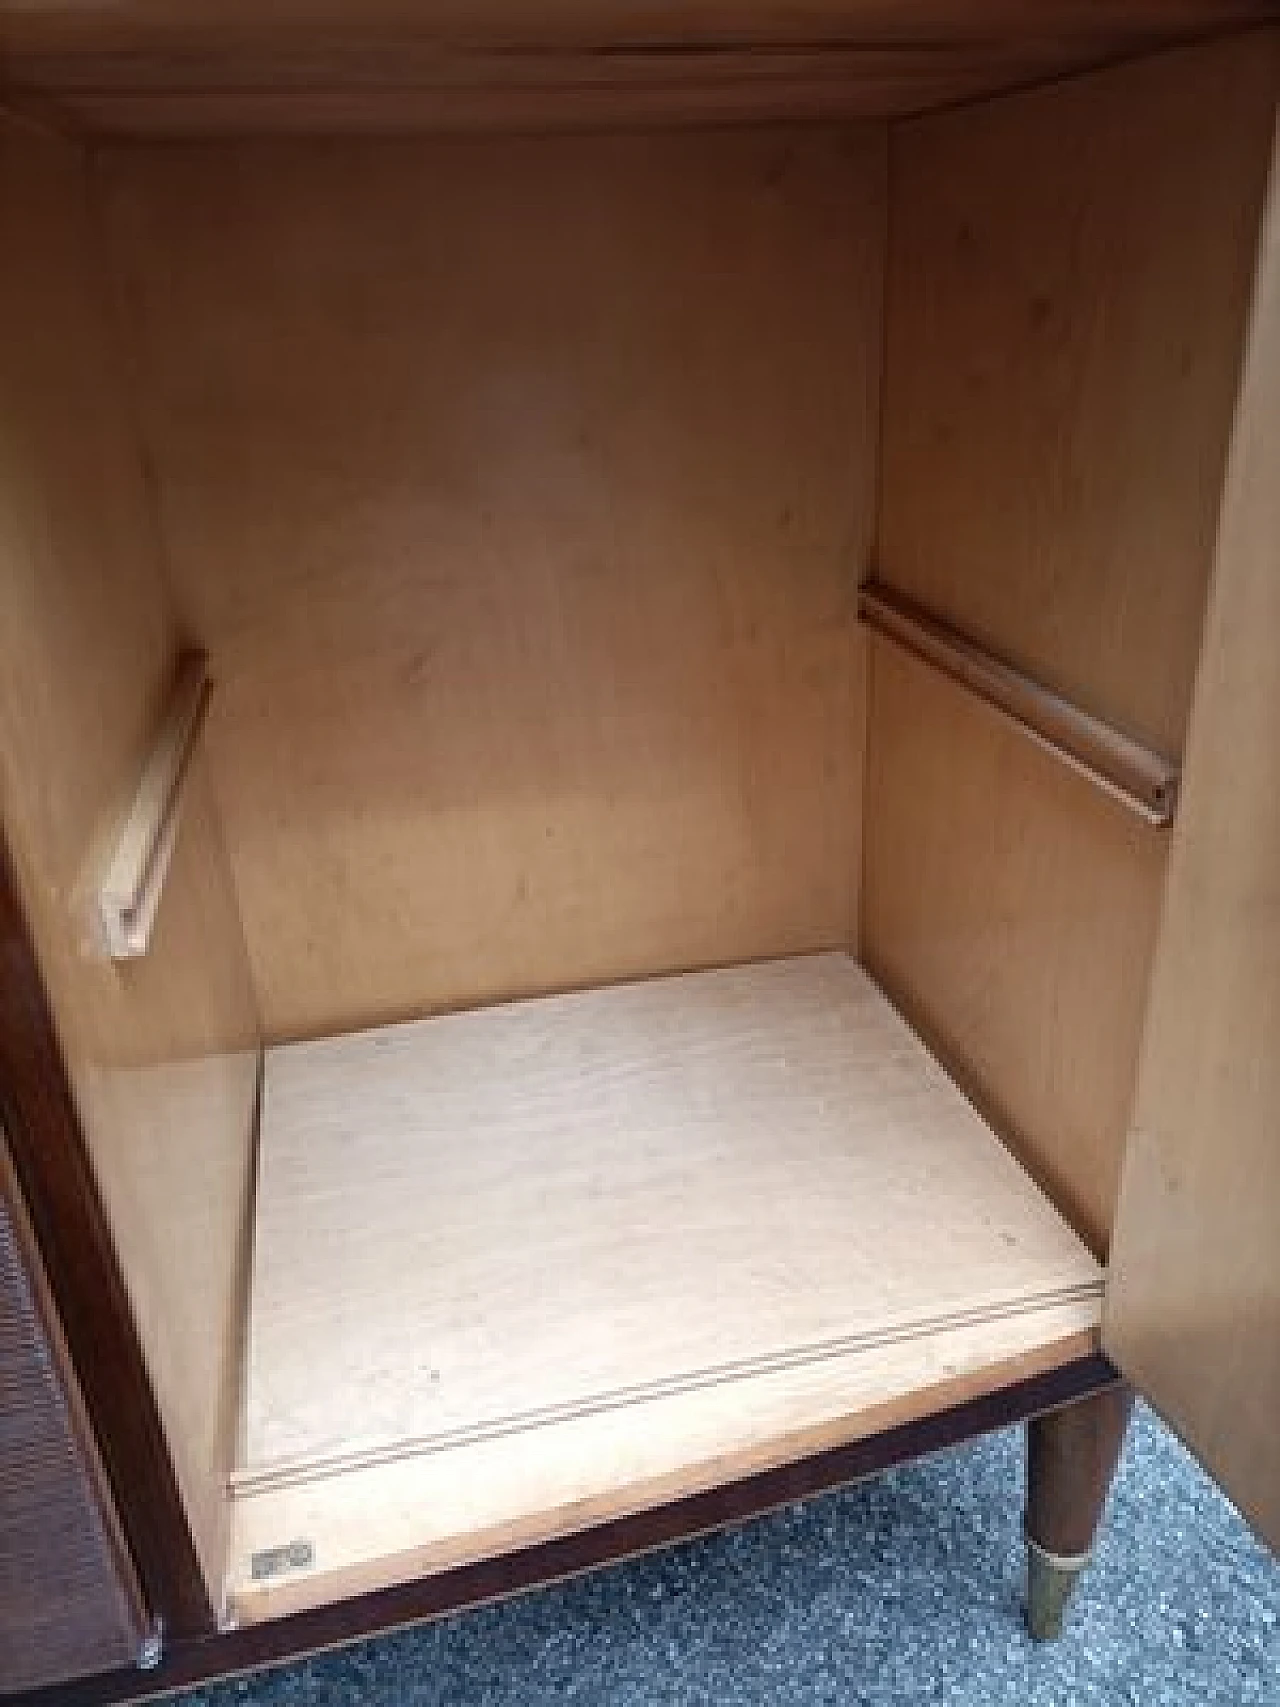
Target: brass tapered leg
{"points": [[1072, 1455], [1050, 1580]]}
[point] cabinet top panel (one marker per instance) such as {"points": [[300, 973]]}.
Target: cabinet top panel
{"points": [[150, 68]]}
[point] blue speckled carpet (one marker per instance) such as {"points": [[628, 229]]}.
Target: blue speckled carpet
{"points": [[902, 1590]]}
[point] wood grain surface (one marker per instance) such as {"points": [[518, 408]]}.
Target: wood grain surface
{"points": [[1193, 1309], [1063, 349], [369, 1528], [488, 1221], [519, 492], [161, 1053], [1011, 909], [524, 1268], [143, 69]]}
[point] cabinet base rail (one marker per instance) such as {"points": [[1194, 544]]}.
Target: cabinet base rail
{"points": [[259, 1646]]}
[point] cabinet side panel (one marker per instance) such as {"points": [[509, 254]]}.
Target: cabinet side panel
{"points": [[520, 490], [161, 1052], [69, 1603], [1193, 1311], [1068, 280]]}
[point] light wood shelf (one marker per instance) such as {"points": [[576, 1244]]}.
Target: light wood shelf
{"points": [[531, 1266]]}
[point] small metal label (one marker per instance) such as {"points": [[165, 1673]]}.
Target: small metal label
{"points": [[272, 1561]]}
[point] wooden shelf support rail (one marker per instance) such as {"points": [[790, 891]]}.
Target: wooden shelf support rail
{"points": [[1140, 779], [129, 894]]}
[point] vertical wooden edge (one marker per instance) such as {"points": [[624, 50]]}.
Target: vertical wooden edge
{"points": [[235, 1419], [1189, 1311], [130, 1589], [260, 1646], [53, 1171], [864, 570]]}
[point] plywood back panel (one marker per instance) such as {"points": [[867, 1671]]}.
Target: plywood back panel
{"points": [[162, 1052], [520, 492], [1068, 280], [1193, 1310]]}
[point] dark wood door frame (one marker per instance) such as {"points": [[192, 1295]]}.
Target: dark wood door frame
{"points": [[70, 1602], [261, 1645], [52, 1165]]}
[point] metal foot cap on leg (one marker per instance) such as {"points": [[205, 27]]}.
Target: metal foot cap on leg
{"points": [[1050, 1580]]}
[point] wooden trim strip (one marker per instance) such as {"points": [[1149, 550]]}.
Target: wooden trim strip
{"points": [[299, 1471], [130, 891], [50, 1159], [272, 1643], [1132, 774]]}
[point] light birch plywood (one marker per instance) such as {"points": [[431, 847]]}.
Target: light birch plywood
{"points": [[1063, 346], [392, 1522], [1193, 1307], [474, 1227], [1062, 349], [162, 1050], [519, 491], [998, 887]]}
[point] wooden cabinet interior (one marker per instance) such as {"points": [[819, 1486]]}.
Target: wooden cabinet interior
{"points": [[520, 489], [566, 436]]}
